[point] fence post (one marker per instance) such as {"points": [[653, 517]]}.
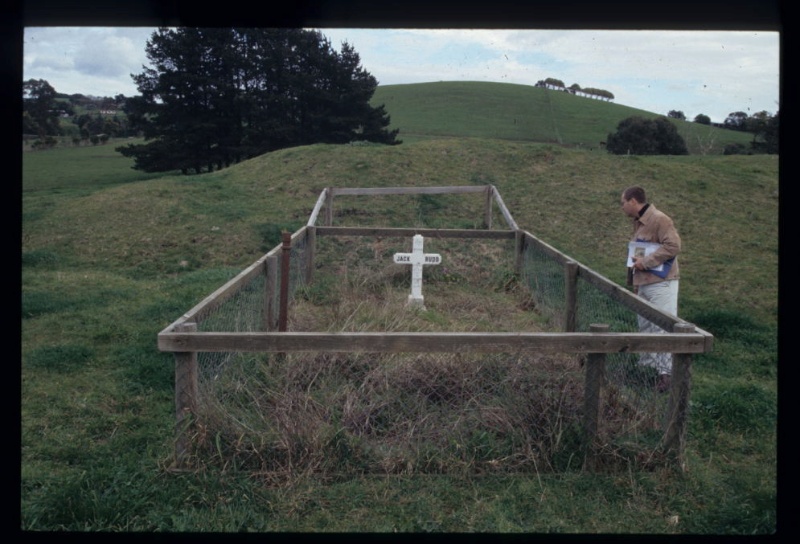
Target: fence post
{"points": [[286, 251], [311, 250], [571, 293], [595, 379], [519, 248], [270, 292], [185, 398], [329, 207], [677, 411], [487, 212]]}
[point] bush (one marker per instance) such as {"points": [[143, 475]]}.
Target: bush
{"points": [[639, 136], [735, 149], [48, 142]]}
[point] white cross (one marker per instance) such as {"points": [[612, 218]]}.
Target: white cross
{"points": [[417, 259]]}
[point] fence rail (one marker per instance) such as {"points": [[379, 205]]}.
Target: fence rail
{"points": [[596, 316], [430, 342]]}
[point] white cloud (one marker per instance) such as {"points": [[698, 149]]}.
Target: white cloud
{"points": [[87, 60], [710, 72]]}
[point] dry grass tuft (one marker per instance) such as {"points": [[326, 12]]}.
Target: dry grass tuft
{"points": [[329, 413]]}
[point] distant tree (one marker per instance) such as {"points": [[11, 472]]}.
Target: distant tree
{"points": [[29, 124], [734, 149], [702, 119], [639, 136], [214, 96], [673, 114], [39, 102], [599, 93], [554, 83], [772, 134], [736, 121], [136, 110], [764, 128], [608, 95]]}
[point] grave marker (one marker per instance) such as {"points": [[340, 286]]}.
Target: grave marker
{"points": [[417, 259]]}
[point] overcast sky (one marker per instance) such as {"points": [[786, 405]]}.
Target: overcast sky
{"points": [[710, 72]]}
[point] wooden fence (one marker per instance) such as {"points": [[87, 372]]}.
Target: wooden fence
{"points": [[682, 339]]}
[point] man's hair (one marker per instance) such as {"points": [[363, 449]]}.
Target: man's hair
{"points": [[635, 192]]}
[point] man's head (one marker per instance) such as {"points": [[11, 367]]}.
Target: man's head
{"points": [[632, 200]]}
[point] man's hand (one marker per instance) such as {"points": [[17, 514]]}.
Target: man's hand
{"points": [[637, 263]]}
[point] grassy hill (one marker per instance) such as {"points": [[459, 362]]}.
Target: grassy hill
{"points": [[524, 113], [110, 257]]}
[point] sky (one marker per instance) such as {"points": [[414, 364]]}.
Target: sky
{"points": [[710, 72]]}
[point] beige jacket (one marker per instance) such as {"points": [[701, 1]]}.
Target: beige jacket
{"points": [[656, 226]]}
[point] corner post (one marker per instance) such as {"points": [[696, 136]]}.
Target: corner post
{"points": [[329, 207], [185, 398], [677, 413]]}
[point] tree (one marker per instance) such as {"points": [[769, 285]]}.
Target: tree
{"points": [[639, 136], [39, 103], [673, 114], [702, 119], [599, 93], [551, 82], [736, 121], [765, 132], [772, 133], [214, 96]]}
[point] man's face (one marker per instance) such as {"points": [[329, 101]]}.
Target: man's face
{"points": [[629, 207]]}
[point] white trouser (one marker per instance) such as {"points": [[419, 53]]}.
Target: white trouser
{"points": [[663, 295]]}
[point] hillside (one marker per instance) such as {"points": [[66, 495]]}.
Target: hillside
{"points": [[567, 197], [110, 256], [523, 113]]}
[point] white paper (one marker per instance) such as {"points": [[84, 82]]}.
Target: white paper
{"points": [[642, 249]]}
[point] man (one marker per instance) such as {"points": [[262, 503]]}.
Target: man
{"points": [[659, 287]]}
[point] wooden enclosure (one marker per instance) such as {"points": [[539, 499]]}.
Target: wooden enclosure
{"points": [[680, 338]]}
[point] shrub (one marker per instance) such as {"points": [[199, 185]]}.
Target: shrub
{"points": [[735, 149], [639, 136]]}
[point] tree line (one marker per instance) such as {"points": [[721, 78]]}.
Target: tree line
{"points": [[213, 97], [591, 92], [764, 127], [48, 115]]}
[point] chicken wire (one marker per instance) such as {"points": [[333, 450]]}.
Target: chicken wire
{"points": [[407, 413], [629, 388]]}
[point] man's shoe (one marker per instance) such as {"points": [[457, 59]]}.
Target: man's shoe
{"points": [[663, 383]]}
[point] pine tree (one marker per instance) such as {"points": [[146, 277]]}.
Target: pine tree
{"points": [[216, 96]]}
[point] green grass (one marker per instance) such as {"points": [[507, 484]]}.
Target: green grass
{"points": [[111, 256], [523, 113]]}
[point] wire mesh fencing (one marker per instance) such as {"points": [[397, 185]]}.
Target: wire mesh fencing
{"points": [[634, 405], [335, 413], [423, 408]]}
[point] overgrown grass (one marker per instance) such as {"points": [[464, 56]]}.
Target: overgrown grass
{"points": [[109, 260]]}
